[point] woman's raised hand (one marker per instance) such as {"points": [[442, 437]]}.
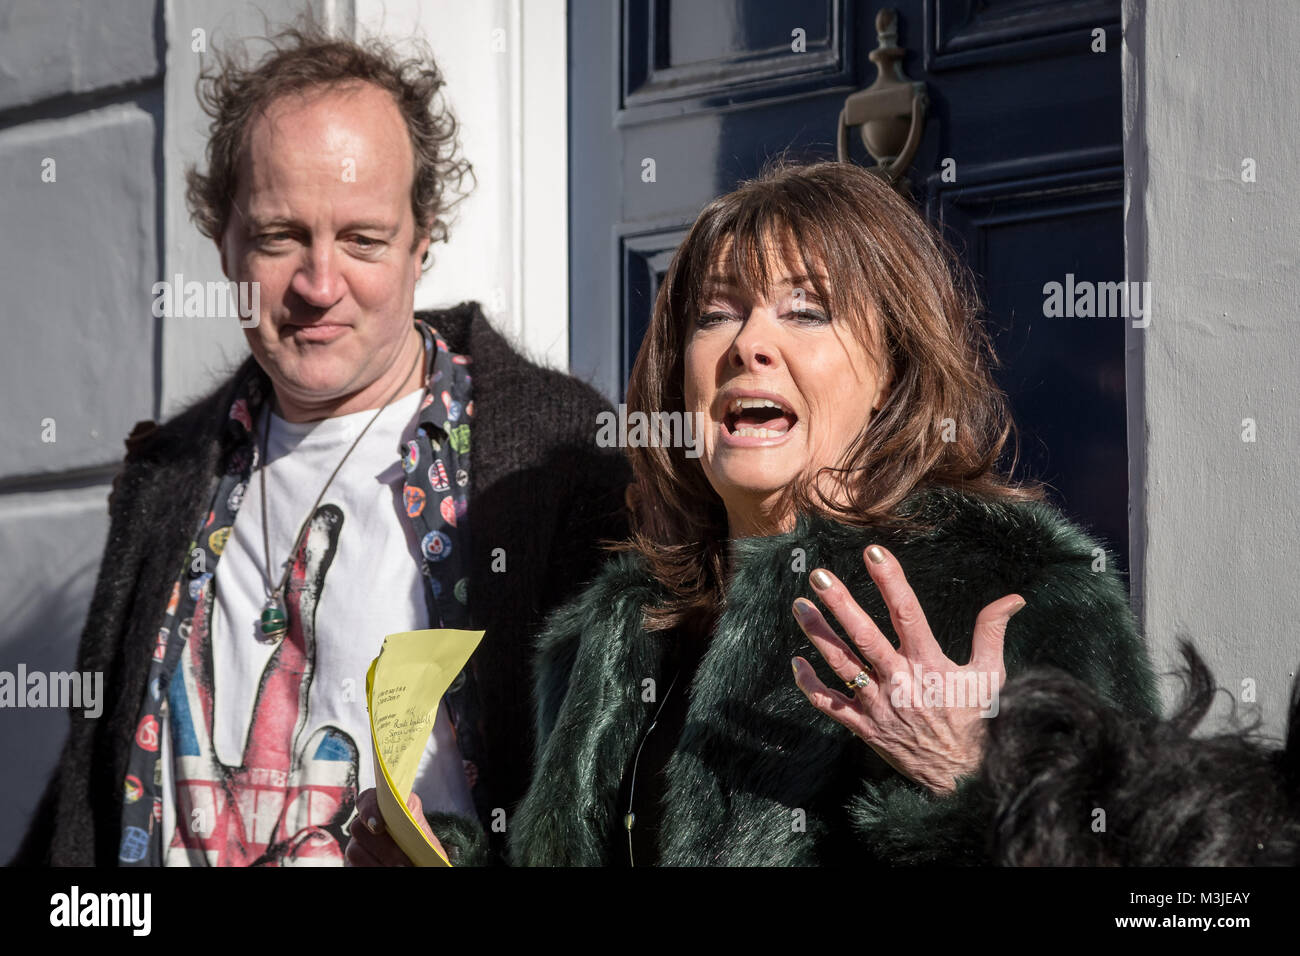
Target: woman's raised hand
{"points": [[920, 711]]}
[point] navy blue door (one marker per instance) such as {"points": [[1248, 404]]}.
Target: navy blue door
{"points": [[1021, 165]]}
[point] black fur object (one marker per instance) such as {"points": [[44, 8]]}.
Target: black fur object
{"points": [[1058, 756], [463, 840], [759, 776]]}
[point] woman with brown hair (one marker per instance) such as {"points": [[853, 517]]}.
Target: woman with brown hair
{"points": [[850, 433]]}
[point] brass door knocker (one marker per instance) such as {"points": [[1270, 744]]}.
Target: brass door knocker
{"points": [[891, 111]]}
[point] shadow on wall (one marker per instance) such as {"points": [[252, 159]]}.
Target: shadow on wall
{"points": [[44, 638]]}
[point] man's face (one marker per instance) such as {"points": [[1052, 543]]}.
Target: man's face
{"points": [[322, 220]]}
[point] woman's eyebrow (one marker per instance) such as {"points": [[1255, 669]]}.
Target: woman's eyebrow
{"points": [[801, 280], [719, 290], [714, 285]]}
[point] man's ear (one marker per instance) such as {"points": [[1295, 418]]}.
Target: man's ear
{"points": [[223, 243], [421, 250], [227, 241]]}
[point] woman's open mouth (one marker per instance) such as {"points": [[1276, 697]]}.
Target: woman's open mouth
{"points": [[757, 418]]}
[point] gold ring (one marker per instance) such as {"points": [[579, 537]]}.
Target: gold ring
{"points": [[860, 681]]}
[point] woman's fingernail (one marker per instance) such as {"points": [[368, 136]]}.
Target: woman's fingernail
{"points": [[1016, 608], [803, 611], [820, 580], [794, 666], [876, 554], [373, 825]]}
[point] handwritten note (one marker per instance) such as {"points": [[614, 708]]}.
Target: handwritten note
{"points": [[404, 686]]}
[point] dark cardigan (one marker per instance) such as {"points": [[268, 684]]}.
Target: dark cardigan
{"points": [[760, 777], [540, 489]]}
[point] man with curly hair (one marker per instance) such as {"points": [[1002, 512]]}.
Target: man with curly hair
{"points": [[265, 540]]}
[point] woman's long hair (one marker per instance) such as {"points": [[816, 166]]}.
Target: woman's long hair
{"points": [[945, 422]]}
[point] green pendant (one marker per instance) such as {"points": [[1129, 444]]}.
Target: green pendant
{"points": [[275, 623]]}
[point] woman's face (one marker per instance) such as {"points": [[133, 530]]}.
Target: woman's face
{"points": [[784, 389]]}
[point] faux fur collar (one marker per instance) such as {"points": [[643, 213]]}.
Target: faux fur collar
{"points": [[759, 776]]}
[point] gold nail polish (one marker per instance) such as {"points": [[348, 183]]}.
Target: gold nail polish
{"points": [[875, 554], [820, 580]]}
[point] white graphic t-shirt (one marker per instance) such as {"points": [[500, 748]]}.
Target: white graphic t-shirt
{"points": [[266, 745]]}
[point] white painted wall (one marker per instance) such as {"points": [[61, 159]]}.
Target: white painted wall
{"points": [[505, 65], [1216, 541]]}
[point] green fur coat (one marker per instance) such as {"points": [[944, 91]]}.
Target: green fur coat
{"points": [[760, 777]]}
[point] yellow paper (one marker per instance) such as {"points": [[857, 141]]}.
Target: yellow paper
{"points": [[404, 686]]}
